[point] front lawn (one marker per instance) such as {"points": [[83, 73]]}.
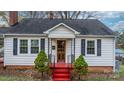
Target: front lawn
{"points": [[100, 79], [21, 75], [121, 73], [116, 76], [14, 78], [122, 70]]}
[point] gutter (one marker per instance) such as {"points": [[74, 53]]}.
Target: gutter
{"points": [[81, 36], [26, 35], [109, 36], [2, 36]]}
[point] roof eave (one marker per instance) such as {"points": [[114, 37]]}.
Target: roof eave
{"points": [[26, 35], [1, 36], [110, 36]]}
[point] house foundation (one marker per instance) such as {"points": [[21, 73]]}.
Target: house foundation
{"points": [[97, 69]]}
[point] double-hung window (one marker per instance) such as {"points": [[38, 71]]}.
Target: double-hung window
{"points": [[34, 46], [23, 46], [90, 47]]}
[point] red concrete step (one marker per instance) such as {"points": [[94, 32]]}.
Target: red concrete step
{"points": [[61, 70], [61, 66], [61, 75], [61, 79]]}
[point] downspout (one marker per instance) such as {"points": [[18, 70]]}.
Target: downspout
{"points": [[71, 52], [74, 49], [4, 51], [48, 48], [114, 55]]}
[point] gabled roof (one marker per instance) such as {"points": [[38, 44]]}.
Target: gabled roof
{"points": [[61, 24], [39, 26], [3, 30]]}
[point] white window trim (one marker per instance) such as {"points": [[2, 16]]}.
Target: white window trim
{"points": [[95, 47], [38, 45], [29, 46], [19, 47]]}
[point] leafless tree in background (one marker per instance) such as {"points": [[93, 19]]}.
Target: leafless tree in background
{"points": [[4, 16], [59, 14], [50, 15]]}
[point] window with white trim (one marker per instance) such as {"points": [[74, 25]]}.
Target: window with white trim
{"points": [[34, 46], [23, 46], [91, 47]]}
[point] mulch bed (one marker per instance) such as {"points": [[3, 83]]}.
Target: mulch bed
{"points": [[95, 76], [32, 74]]}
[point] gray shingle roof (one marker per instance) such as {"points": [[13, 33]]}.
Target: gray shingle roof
{"points": [[4, 30], [38, 26]]}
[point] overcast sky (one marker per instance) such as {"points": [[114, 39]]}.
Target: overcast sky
{"points": [[114, 20]]}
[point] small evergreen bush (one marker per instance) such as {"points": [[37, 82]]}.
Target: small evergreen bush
{"points": [[41, 63], [80, 66]]}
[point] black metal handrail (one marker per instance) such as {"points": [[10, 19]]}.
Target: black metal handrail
{"points": [[70, 60], [68, 63], [52, 59]]}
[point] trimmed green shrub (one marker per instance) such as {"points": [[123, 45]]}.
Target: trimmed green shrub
{"points": [[80, 66], [41, 63]]}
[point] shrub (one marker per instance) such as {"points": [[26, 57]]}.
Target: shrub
{"points": [[122, 61], [41, 63], [80, 66]]}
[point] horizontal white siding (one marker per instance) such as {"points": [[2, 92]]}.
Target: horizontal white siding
{"points": [[106, 59], [107, 53], [61, 32], [20, 59]]}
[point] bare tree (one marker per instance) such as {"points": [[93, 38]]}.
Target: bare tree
{"points": [[76, 14], [32, 14], [60, 14], [69, 14], [88, 14], [4, 16]]}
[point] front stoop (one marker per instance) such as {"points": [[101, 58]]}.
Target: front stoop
{"points": [[61, 72]]}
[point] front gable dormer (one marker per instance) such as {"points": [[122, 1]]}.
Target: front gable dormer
{"points": [[61, 31]]}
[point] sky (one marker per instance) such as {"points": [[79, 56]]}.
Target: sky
{"points": [[113, 19]]}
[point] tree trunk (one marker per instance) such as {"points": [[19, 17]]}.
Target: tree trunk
{"points": [[79, 77], [41, 75]]}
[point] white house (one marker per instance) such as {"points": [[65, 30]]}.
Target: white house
{"points": [[62, 40]]}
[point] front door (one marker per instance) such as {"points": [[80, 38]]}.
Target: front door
{"points": [[61, 51]]}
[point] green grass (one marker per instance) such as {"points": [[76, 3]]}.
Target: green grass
{"points": [[14, 78], [122, 70], [119, 76], [100, 79], [122, 49]]}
